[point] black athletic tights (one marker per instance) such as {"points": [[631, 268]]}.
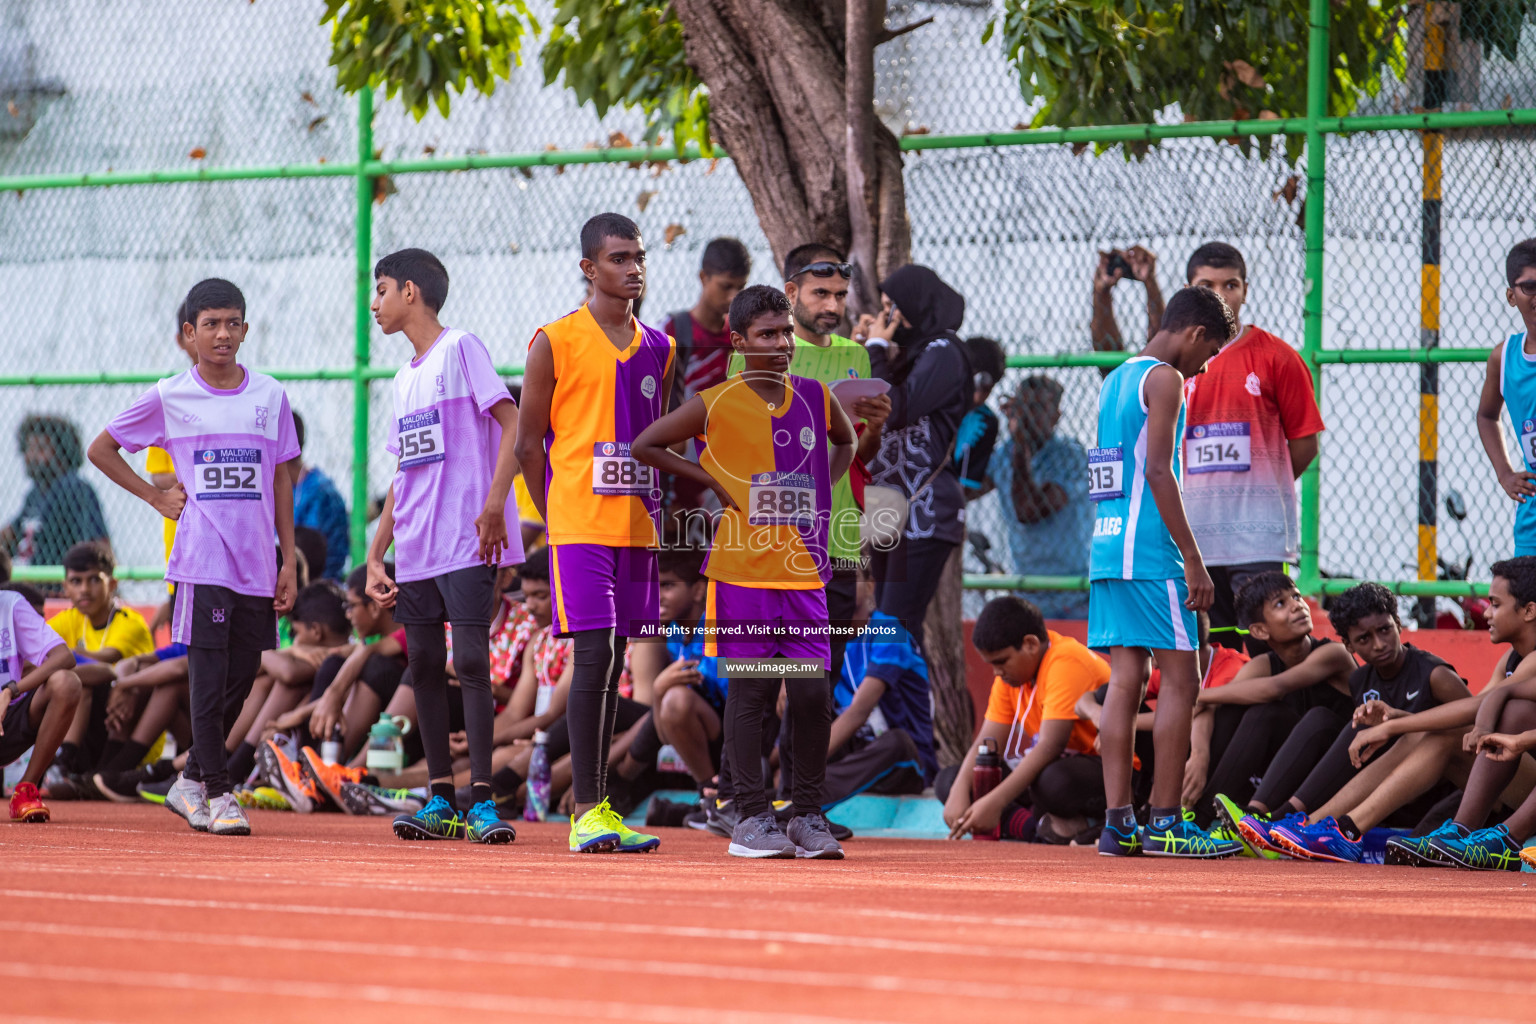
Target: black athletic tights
{"points": [[746, 705], [219, 680], [427, 652], [1311, 765], [591, 709]]}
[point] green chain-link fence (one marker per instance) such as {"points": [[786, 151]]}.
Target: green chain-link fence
{"points": [[144, 145]]}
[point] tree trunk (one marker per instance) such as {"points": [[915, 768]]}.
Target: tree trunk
{"points": [[776, 77], [863, 172], [954, 715]]}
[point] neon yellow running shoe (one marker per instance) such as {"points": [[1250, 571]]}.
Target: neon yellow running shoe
{"points": [[630, 841], [593, 832]]}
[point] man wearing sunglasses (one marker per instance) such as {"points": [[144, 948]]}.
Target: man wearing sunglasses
{"points": [[1511, 384]]}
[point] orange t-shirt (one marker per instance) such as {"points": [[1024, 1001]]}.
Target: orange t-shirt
{"points": [[1225, 663], [1067, 671]]}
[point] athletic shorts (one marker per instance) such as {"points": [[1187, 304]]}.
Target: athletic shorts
{"points": [[1140, 613], [466, 596], [19, 734], [756, 622], [598, 587], [208, 616]]}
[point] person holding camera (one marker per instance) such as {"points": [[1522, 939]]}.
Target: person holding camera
{"points": [[1137, 263]]}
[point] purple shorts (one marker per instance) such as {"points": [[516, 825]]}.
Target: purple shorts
{"points": [[598, 587], [790, 623]]}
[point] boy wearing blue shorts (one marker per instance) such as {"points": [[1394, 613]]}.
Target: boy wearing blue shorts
{"points": [[1147, 579], [1510, 384]]}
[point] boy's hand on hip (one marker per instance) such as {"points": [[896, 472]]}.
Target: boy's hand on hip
{"points": [[171, 501]]}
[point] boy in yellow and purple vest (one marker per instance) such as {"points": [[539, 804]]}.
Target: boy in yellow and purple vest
{"points": [[766, 454], [594, 380]]}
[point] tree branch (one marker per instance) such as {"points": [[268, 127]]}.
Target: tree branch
{"points": [[885, 35]]}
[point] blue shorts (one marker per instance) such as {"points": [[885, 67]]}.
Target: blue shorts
{"points": [[1141, 613]]}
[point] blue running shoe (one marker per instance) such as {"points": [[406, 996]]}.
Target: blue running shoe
{"points": [[1255, 830], [1116, 842], [1416, 851], [1322, 841], [1185, 839], [1487, 849], [435, 821], [483, 825]]}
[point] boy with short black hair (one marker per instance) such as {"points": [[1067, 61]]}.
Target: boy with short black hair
{"points": [[1147, 577], [228, 430], [1395, 676], [594, 380], [1251, 431], [703, 333], [1510, 384], [767, 458], [1048, 751], [448, 514], [38, 695]]}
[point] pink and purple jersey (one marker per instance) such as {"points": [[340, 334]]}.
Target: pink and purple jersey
{"points": [[226, 447], [447, 442], [25, 639]]}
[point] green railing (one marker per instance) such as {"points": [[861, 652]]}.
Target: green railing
{"points": [[1315, 128]]}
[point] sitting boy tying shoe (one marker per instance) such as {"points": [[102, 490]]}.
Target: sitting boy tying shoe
{"points": [[1397, 675], [1048, 750], [38, 696]]}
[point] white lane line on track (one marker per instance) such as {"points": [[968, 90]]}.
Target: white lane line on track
{"points": [[783, 976], [458, 1000], [785, 908]]}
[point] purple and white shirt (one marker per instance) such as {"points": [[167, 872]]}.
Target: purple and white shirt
{"points": [[447, 442], [226, 447], [25, 639]]}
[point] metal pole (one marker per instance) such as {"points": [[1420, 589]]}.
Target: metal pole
{"points": [[1436, 80], [1312, 337], [363, 325]]}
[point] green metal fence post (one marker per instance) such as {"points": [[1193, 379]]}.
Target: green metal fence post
{"points": [[363, 326], [1312, 341]]}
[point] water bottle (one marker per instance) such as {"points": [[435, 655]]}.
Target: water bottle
{"points": [[985, 778], [536, 807], [386, 745], [330, 750]]}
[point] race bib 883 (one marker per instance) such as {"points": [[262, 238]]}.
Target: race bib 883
{"points": [[615, 471]]}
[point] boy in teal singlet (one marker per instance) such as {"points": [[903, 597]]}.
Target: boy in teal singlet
{"points": [[1511, 384], [1147, 578]]}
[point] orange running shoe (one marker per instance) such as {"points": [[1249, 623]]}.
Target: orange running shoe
{"points": [[27, 806], [286, 776], [1528, 855], [328, 778]]}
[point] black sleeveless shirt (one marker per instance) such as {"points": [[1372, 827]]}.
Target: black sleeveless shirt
{"points": [[1318, 695], [1409, 690]]}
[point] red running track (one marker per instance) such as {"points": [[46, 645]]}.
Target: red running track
{"points": [[117, 913]]}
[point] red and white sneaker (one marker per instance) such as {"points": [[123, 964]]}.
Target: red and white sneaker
{"points": [[27, 806]]}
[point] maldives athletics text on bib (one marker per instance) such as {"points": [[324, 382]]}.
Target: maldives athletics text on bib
{"points": [[1218, 448]]}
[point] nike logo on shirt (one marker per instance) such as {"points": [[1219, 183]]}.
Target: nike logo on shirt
{"points": [[1414, 694]]}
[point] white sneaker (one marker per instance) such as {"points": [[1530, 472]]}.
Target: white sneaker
{"points": [[228, 817], [189, 800]]}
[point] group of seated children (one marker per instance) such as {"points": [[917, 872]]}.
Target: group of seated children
{"points": [[1296, 753]]}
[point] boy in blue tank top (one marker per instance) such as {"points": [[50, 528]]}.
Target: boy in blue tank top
{"points": [[1146, 576], [1511, 384]]}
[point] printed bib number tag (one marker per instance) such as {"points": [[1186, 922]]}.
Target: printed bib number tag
{"points": [[1106, 473], [615, 471], [1528, 443], [421, 439], [226, 474], [1218, 448], [777, 499]]}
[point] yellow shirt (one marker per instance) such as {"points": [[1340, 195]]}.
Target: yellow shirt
{"points": [[126, 632], [156, 462], [526, 512]]}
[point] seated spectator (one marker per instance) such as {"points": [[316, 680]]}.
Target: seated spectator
{"points": [[1047, 750], [101, 632], [684, 690], [1299, 686], [880, 708], [1041, 478], [162, 675], [318, 505], [1395, 674], [978, 431], [377, 660], [38, 694], [61, 510]]}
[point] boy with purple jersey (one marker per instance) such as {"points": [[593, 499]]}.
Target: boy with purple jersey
{"points": [[595, 379], [453, 527], [774, 443], [39, 693], [228, 430]]}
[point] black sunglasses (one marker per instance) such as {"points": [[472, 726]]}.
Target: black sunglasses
{"points": [[825, 268], [1526, 288]]}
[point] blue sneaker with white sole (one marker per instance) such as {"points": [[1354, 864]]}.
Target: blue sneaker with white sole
{"points": [[437, 820], [483, 825]]}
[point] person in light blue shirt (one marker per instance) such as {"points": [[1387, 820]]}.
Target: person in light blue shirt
{"points": [[1041, 480], [317, 504]]}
